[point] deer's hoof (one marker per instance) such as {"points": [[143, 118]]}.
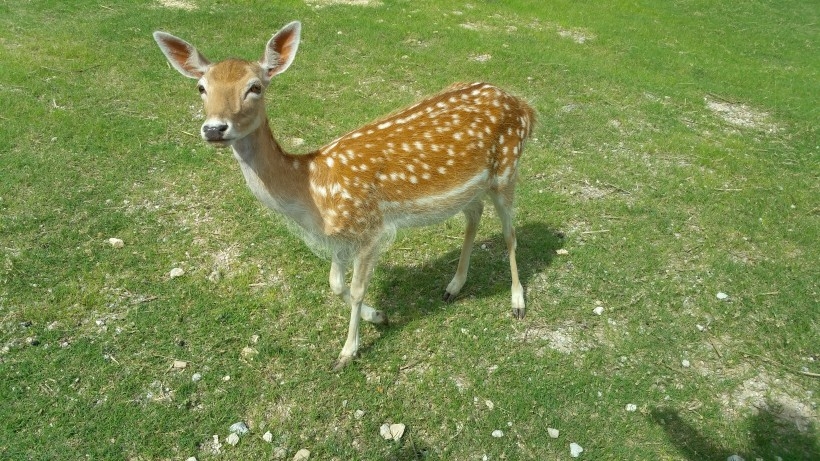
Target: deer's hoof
{"points": [[341, 363], [448, 298], [380, 318], [518, 313]]}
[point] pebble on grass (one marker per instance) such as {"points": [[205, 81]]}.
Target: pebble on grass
{"points": [[392, 431], [239, 428], [302, 455], [575, 450]]}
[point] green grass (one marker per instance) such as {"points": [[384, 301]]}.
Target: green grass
{"points": [[662, 203]]}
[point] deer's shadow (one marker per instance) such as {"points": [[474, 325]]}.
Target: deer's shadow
{"points": [[773, 433], [406, 293]]}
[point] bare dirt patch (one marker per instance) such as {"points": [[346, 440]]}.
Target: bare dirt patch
{"points": [[324, 3], [776, 396], [177, 4], [565, 339], [741, 115], [579, 36]]}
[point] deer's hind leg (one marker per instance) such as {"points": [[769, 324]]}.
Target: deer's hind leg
{"points": [[472, 213], [503, 201]]}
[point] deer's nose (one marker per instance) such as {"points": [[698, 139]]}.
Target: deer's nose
{"points": [[214, 131]]}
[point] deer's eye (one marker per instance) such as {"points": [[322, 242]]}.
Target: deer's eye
{"points": [[200, 88], [255, 89]]}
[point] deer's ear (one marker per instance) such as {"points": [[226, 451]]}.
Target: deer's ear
{"points": [[182, 55], [281, 50]]}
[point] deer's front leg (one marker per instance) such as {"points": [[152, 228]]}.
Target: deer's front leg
{"points": [[338, 268], [362, 270]]}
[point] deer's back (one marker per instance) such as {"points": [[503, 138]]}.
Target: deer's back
{"points": [[423, 163]]}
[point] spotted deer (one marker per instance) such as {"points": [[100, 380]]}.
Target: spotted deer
{"points": [[417, 166]]}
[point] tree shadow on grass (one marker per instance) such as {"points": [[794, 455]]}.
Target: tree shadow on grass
{"points": [[773, 434], [406, 293]]}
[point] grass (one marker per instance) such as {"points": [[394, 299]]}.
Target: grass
{"points": [[676, 153]]}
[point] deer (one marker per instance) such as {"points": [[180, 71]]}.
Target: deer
{"points": [[414, 167]]}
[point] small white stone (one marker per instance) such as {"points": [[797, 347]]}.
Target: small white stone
{"points": [[239, 428], [575, 450], [216, 446], [700, 327], [196, 377], [631, 407], [192, 458], [226, 378], [735, 458], [397, 431], [267, 437], [232, 439], [249, 352], [176, 272], [279, 453], [562, 251], [358, 414], [116, 243], [302, 455], [722, 296], [553, 432], [498, 433], [685, 363], [490, 404], [598, 310], [392, 431]]}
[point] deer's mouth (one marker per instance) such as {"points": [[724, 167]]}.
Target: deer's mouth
{"points": [[218, 143]]}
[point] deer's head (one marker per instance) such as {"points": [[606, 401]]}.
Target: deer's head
{"points": [[232, 90]]}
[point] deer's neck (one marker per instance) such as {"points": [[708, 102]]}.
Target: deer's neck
{"points": [[276, 178]]}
